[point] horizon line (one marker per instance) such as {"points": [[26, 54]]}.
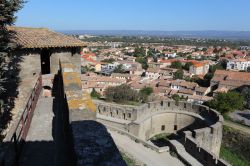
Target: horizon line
{"points": [[150, 30]]}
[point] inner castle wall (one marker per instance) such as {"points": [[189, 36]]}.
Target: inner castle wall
{"points": [[199, 123]]}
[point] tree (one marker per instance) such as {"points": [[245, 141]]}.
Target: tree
{"points": [[189, 57], [139, 52], [227, 102], [7, 10], [178, 74], [95, 94], [248, 69], [143, 62], [146, 90], [216, 50], [207, 79], [85, 69], [119, 69], [245, 92], [122, 93], [144, 93], [222, 65], [176, 98], [204, 49], [217, 57], [150, 52], [187, 65], [155, 58], [110, 60], [176, 65]]}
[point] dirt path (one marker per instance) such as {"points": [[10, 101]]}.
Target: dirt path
{"points": [[143, 154], [236, 126]]}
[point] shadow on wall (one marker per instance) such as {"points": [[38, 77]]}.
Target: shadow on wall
{"points": [[163, 141], [197, 124], [94, 145], [73, 143], [88, 141]]}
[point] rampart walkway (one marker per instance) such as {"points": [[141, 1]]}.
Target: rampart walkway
{"points": [[44, 144]]}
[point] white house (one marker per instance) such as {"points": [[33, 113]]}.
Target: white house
{"points": [[153, 73], [172, 55], [238, 64], [199, 68]]}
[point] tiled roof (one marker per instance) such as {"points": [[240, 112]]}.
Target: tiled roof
{"points": [[101, 79], [231, 78], [183, 83], [201, 98], [232, 75], [201, 89], [159, 89], [186, 91], [164, 83], [153, 70], [42, 38], [122, 75]]}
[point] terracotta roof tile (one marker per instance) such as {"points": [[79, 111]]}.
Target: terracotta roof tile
{"points": [[42, 38], [231, 78], [186, 91]]}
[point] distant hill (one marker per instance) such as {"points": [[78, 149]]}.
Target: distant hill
{"points": [[234, 35]]}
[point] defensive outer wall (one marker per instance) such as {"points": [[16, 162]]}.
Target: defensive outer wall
{"points": [[199, 127]]}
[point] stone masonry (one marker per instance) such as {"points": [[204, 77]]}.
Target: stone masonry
{"points": [[199, 124]]}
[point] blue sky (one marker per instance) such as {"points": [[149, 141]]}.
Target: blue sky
{"points": [[136, 14]]}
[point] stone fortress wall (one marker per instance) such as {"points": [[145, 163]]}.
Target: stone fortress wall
{"points": [[199, 126]]}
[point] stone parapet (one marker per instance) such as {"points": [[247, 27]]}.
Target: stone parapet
{"points": [[91, 142]]}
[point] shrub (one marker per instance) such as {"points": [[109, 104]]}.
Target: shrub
{"points": [[124, 94], [95, 94], [176, 65]]}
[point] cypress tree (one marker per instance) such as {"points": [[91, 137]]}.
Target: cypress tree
{"points": [[8, 8]]}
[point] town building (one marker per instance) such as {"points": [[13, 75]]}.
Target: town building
{"points": [[99, 83], [199, 68], [230, 79], [238, 64]]}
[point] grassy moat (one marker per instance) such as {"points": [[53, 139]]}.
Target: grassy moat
{"points": [[235, 147], [233, 157]]}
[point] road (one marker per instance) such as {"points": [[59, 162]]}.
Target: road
{"points": [[143, 154]]}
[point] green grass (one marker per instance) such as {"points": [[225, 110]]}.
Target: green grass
{"points": [[129, 161], [133, 103], [161, 136], [233, 158]]}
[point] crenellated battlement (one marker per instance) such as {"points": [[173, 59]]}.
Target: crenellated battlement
{"points": [[198, 124]]}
